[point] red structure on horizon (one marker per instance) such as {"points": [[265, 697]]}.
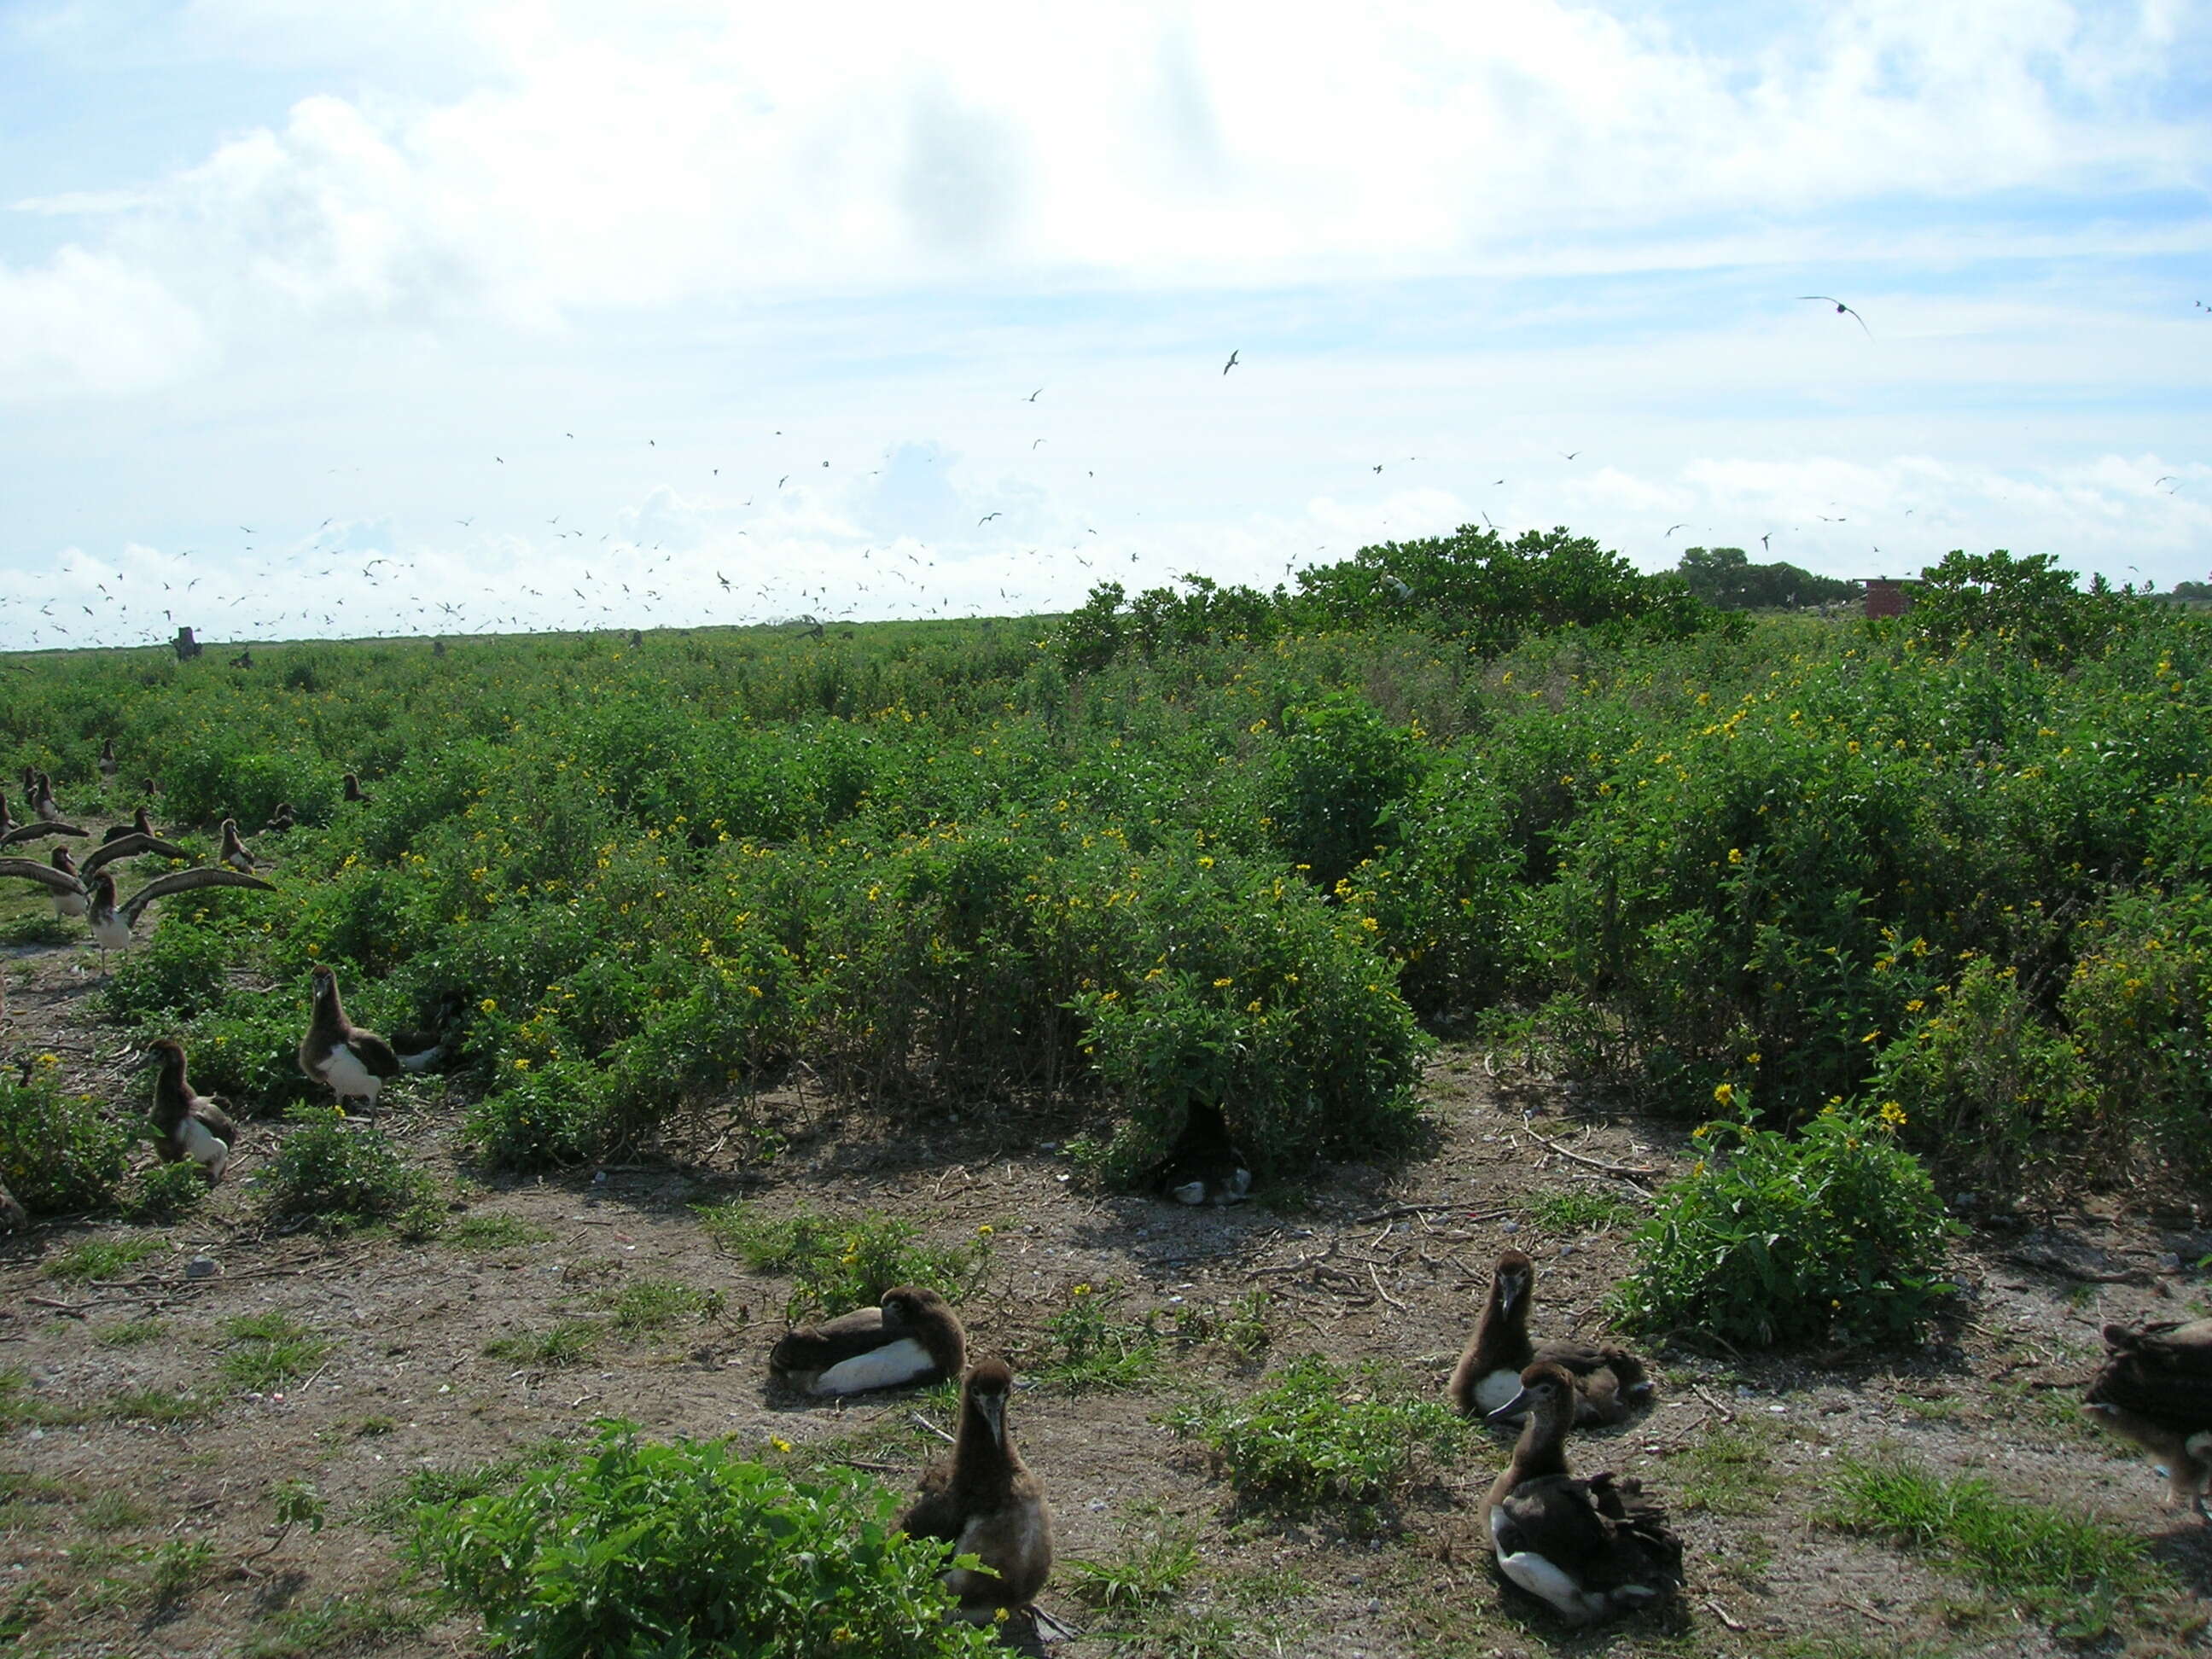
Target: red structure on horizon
{"points": [[1888, 596]]}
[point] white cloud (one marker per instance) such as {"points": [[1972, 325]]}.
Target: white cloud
{"points": [[668, 152], [88, 323]]}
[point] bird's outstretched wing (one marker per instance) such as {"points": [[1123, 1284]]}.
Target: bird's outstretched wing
{"points": [[45, 874], [42, 826], [184, 881], [130, 847]]}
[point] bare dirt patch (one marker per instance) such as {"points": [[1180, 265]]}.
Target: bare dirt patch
{"points": [[141, 1484]]}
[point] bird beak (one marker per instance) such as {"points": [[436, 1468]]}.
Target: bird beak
{"points": [[1510, 1291], [994, 1413], [1511, 1411]]}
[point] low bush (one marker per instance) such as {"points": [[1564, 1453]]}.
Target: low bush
{"points": [[840, 1265], [2138, 1006], [168, 1192], [1264, 999], [59, 1153], [1318, 1435], [1834, 1234], [682, 1549], [1087, 1349], [337, 1175], [552, 1116], [1984, 1083]]}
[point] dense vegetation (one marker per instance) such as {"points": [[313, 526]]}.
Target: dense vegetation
{"points": [[1212, 844]]}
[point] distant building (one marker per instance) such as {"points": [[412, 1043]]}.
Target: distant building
{"points": [[1888, 596]]}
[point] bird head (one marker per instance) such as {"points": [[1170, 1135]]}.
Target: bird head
{"points": [[1514, 1276], [987, 1389], [1546, 1394]]}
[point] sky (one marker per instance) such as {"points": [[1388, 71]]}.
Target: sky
{"points": [[404, 319]]}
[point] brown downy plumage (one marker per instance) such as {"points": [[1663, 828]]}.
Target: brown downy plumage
{"points": [[13, 1215], [42, 800], [353, 791], [234, 852], [2156, 1389], [912, 1336], [192, 1125], [984, 1501], [108, 764], [352, 1061], [281, 819], [1608, 1380], [1588, 1548]]}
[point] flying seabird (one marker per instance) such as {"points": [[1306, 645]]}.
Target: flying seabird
{"points": [[1842, 309]]}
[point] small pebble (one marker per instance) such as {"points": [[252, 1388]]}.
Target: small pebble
{"points": [[201, 1267]]}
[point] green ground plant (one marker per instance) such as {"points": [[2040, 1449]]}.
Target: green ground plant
{"points": [[1319, 1435], [266, 1350], [837, 1265], [337, 1175], [59, 1153], [103, 1258], [684, 1548], [1833, 1234], [1087, 1349], [2086, 1579]]}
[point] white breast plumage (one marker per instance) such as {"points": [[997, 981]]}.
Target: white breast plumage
{"points": [[347, 1074], [1494, 1390], [203, 1146], [880, 1368]]}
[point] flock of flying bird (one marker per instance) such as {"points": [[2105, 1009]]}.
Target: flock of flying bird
{"points": [[630, 582], [1589, 1547]]}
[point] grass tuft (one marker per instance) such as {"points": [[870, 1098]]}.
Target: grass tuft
{"points": [[2080, 1575]]}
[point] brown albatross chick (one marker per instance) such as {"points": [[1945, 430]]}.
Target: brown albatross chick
{"points": [[911, 1336], [1588, 1547], [984, 1501], [234, 852], [192, 1125], [2156, 1389], [353, 1062], [1608, 1379], [353, 791]]}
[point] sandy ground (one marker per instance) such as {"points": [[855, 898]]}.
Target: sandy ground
{"points": [[1385, 1264]]}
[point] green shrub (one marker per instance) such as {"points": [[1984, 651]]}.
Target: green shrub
{"points": [[181, 971], [168, 1192], [1318, 1435], [59, 1154], [245, 1050], [840, 1265], [1834, 1234], [1335, 782], [339, 1176], [1983, 1082], [553, 1116], [1264, 999], [2138, 1004], [682, 1549]]}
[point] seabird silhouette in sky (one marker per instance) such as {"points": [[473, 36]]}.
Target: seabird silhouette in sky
{"points": [[1231, 364], [1842, 309]]}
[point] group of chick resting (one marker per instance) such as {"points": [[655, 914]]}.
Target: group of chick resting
{"points": [[1589, 1547]]}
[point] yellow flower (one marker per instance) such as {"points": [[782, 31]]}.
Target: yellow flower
{"points": [[521, 1064], [1724, 1094], [1893, 1114], [1751, 1058], [1080, 1290], [985, 1230], [1735, 856], [1219, 983], [779, 1443]]}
